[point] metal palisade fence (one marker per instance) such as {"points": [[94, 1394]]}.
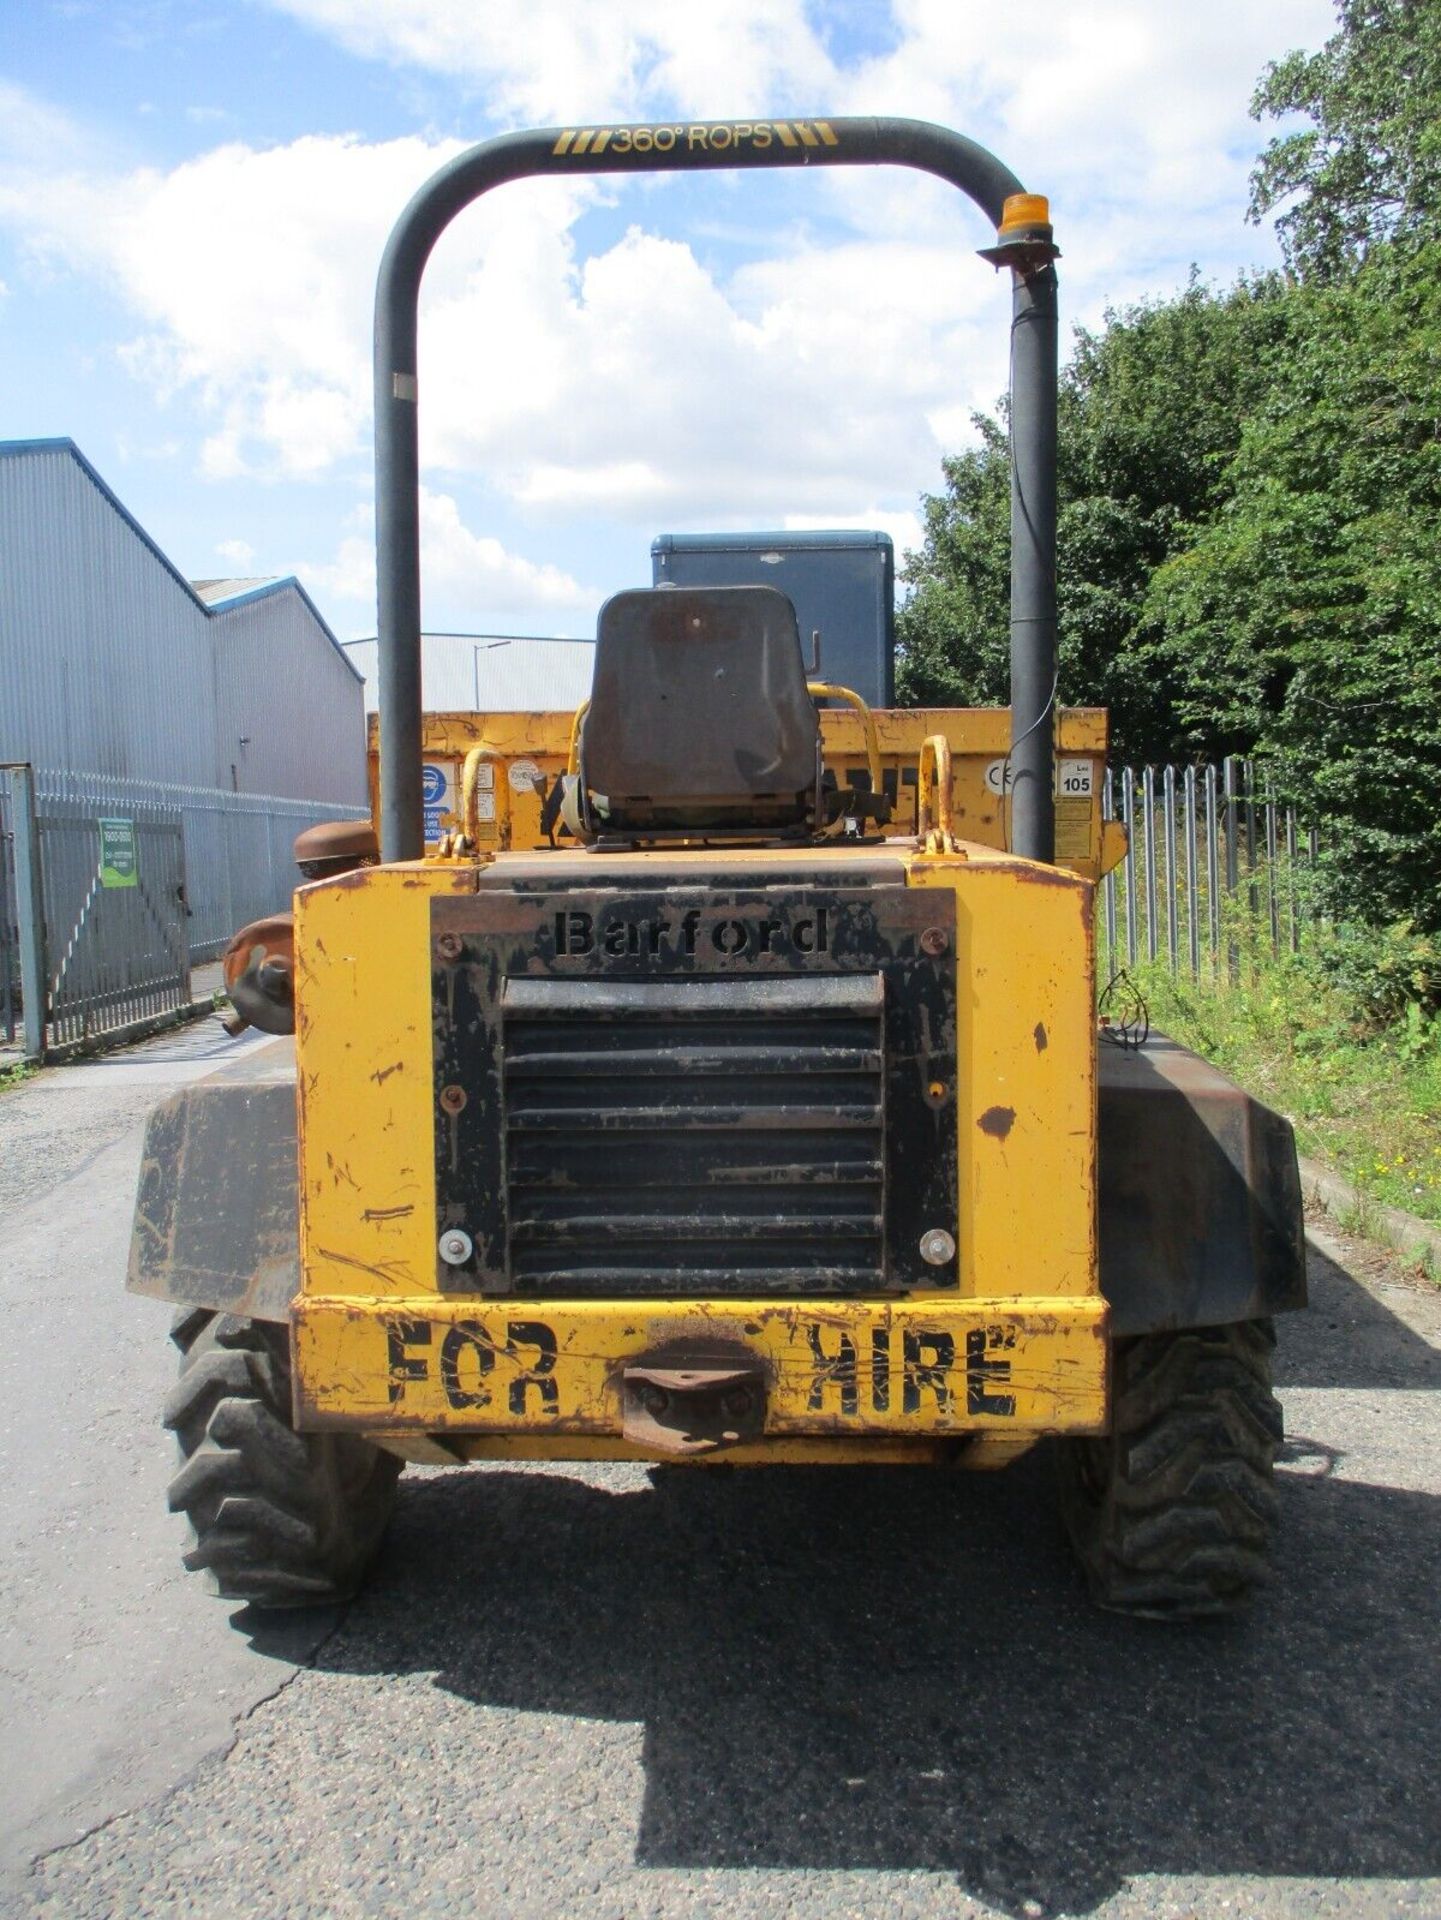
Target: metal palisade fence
{"points": [[111, 889], [19, 876], [1212, 851]]}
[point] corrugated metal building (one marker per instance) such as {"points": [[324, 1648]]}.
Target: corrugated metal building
{"points": [[233, 710], [491, 672], [112, 663]]}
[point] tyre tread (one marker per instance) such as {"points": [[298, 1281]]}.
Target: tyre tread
{"points": [[278, 1518], [1174, 1514]]}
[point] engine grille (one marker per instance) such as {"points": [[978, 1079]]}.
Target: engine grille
{"points": [[677, 1091], [695, 1137]]}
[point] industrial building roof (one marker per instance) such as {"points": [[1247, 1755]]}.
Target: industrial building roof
{"points": [[278, 583], [112, 663], [492, 672], [214, 591]]}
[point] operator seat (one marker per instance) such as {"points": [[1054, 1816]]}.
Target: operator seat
{"points": [[699, 719]]}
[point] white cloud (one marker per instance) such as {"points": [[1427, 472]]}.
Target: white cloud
{"points": [[248, 271], [349, 577], [239, 553], [634, 382], [1141, 104], [459, 567], [1134, 105], [644, 386], [905, 529], [554, 60], [456, 561], [652, 380], [30, 126]]}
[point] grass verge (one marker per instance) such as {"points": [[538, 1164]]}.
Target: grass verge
{"points": [[1360, 1081]]}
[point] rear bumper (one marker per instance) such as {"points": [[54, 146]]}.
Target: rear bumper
{"points": [[912, 1368]]}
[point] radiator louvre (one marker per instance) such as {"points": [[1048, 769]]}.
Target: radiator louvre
{"points": [[694, 1137]]}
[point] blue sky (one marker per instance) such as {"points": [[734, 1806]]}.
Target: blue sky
{"points": [[193, 199]]}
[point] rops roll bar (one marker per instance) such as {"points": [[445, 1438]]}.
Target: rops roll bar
{"points": [[1024, 243]]}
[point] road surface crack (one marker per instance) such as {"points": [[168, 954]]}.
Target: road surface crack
{"points": [[217, 1757]]}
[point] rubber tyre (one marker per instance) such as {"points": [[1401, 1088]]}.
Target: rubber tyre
{"points": [[279, 1518], [1173, 1514]]}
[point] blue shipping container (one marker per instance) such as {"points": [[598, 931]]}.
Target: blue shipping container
{"points": [[842, 583]]}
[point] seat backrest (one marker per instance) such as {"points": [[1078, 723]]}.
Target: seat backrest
{"points": [[699, 712]]}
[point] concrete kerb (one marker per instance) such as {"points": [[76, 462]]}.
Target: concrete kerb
{"points": [[1351, 1206]]}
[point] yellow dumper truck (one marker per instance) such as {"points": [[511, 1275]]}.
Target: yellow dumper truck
{"points": [[725, 1085]]}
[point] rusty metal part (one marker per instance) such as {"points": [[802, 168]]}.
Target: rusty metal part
{"points": [[259, 968], [691, 1398], [452, 1098], [352, 840], [448, 946], [934, 940]]}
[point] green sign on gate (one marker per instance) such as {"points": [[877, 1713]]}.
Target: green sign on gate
{"points": [[119, 861]]}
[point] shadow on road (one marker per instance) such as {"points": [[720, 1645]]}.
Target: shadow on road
{"points": [[1349, 1339], [899, 1669]]}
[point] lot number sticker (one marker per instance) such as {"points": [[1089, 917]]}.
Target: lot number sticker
{"points": [[1074, 778]]}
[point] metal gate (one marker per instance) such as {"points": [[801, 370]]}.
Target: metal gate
{"points": [[113, 889], [9, 928]]}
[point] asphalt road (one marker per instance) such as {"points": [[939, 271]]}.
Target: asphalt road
{"points": [[605, 1693]]}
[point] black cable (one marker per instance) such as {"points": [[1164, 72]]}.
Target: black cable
{"points": [[1040, 720], [1129, 1024]]}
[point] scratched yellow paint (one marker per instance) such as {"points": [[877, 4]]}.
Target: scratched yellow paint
{"points": [[1025, 1047], [979, 739], [919, 1367], [363, 1049], [1024, 1218]]}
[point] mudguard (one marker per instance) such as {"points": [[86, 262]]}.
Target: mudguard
{"points": [[216, 1214], [1200, 1197]]}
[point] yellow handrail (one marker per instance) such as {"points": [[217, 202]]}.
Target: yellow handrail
{"points": [[827, 690], [498, 827], [572, 757], [933, 795]]}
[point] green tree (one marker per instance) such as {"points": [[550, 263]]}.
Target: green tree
{"points": [[1305, 615], [1368, 167], [1151, 413], [953, 631], [1250, 489]]}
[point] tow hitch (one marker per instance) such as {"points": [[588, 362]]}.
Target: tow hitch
{"points": [[680, 1401]]}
